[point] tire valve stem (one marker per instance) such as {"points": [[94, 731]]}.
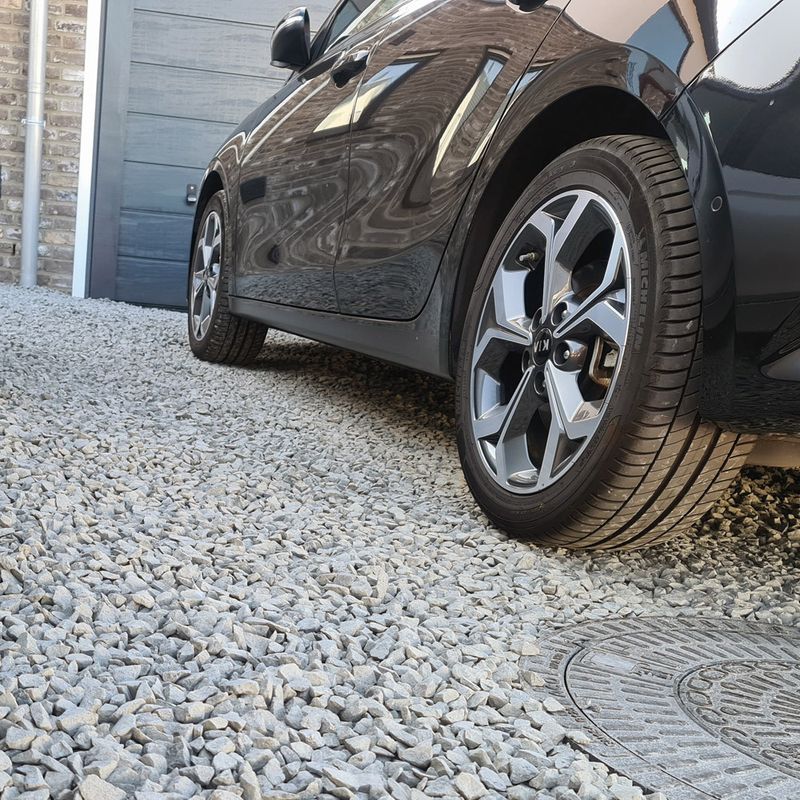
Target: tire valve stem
{"points": [[529, 259]]}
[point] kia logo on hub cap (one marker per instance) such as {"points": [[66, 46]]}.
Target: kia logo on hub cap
{"points": [[542, 346]]}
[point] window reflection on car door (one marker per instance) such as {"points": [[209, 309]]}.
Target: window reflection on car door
{"points": [[294, 172], [433, 92]]}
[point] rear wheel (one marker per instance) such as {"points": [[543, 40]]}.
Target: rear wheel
{"points": [[214, 333], [578, 378]]}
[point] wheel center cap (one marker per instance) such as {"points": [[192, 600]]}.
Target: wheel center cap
{"points": [[542, 346]]}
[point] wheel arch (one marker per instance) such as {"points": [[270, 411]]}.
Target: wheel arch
{"points": [[545, 138], [212, 183], [604, 91], [222, 174]]}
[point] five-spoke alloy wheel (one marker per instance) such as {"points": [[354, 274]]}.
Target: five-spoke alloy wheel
{"points": [[214, 333], [551, 337], [206, 273], [580, 359]]}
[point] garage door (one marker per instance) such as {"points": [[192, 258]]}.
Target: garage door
{"points": [[178, 75]]}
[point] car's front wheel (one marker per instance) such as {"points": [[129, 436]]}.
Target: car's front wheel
{"points": [[214, 333], [579, 371]]}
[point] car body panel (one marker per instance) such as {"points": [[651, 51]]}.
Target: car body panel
{"points": [[684, 35], [292, 185], [749, 101], [396, 230], [614, 46], [434, 92]]}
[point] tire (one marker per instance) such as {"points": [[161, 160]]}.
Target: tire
{"points": [[650, 468], [222, 338]]}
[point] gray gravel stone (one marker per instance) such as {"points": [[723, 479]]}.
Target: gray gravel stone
{"points": [[19, 738], [193, 712], [419, 756], [353, 779], [95, 788], [74, 719], [469, 786], [522, 770]]}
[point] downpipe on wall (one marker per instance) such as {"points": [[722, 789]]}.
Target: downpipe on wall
{"points": [[34, 141]]}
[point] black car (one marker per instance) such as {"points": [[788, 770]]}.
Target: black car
{"points": [[586, 213]]}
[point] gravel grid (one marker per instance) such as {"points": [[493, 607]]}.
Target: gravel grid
{"points": [[273, 582]]}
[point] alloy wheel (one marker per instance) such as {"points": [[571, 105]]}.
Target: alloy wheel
{"points": [[206, 274], [551, 340]]}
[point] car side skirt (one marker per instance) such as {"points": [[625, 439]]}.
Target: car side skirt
{"points": [[417, 343]]}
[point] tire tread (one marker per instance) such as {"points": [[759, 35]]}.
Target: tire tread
{"points": [[693, 463]]}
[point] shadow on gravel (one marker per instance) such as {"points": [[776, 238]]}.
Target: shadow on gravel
{"points": [[391, 392], [413, 403]]}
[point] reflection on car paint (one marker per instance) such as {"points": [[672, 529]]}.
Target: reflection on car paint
{"points": [[372, 218], [413, 161], [750, 97], [491, 69]]}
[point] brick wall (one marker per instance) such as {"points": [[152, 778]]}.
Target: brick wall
{"points": [[65, 54]]}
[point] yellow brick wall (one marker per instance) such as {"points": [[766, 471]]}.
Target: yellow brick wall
{"points": [[65, 57]]}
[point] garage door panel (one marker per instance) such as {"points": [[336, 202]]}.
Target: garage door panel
{"points": [[227, 47], [163, 237], [154, 187], [178, 77], [152, 282], [170, 141], [190, 94], [252, 12], [247, 11]]}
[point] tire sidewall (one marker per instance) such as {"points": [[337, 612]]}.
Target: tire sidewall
{"points": [[613, 179]]}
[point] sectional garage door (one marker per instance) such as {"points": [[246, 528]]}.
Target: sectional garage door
{"points": [[178, 75]]}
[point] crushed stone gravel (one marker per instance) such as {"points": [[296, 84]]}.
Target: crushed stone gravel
{"points": [[273, 582]]}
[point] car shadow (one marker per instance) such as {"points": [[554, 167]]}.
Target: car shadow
{"points": [[364, 384], [415, 403]]}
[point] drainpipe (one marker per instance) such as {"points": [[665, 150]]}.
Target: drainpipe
{"points": [[34, 138]]}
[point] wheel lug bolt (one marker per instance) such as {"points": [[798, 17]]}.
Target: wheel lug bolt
{"points": [[572, 353], [560, 313]]}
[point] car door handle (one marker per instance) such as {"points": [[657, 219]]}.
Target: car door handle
{"points": [[348, 66]]}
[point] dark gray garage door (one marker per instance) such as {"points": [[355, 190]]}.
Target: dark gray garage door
{"points": [[178, 75]]}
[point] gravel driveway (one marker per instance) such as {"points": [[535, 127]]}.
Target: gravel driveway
{"points": [[273, 582]]}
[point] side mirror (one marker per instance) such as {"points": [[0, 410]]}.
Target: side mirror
{"points": [[291, 41]]}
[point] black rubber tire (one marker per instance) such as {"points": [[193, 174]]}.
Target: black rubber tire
{"points": [[229, 339], [654, 468]]}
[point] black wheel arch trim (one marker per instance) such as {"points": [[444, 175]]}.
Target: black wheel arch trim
{"points": [[221, 174], [662, 97]]}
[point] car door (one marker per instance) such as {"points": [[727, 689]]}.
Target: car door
{"points": [[432, 94], [294, 171]]}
